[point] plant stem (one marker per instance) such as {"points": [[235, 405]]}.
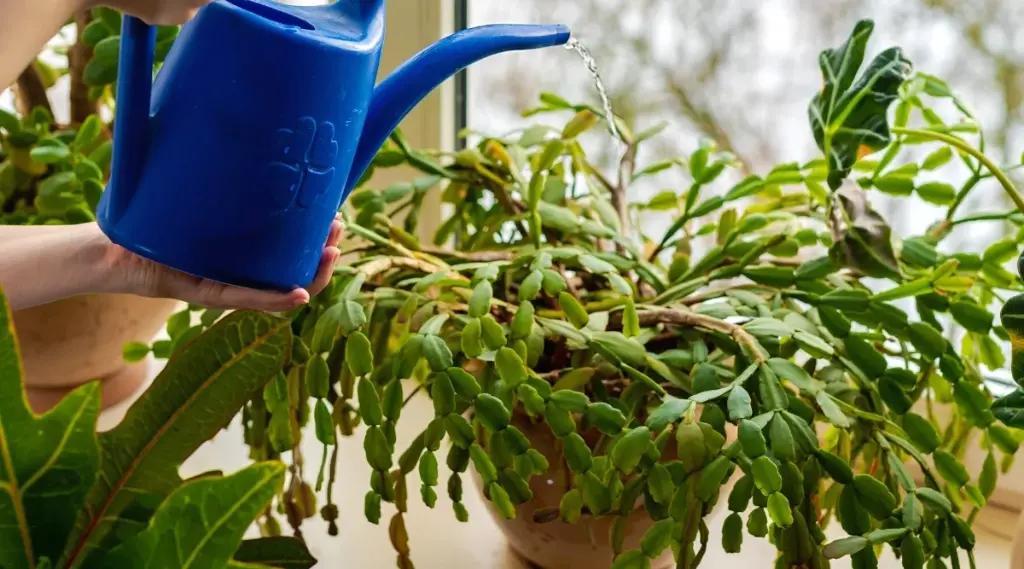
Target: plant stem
{"points": [[411, 395], [470, 256], [620, 201], [704, 296], [376, 267], [78, 57], [962, 195], [570, 285], [682, 318], [497, 186], [31, 92], [1011, 190], [333, 475], [985, 217]]}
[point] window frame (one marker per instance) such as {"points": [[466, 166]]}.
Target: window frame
{"points": [[461, 79], [439, 119]]}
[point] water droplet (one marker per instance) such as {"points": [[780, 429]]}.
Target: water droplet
{"points": [[588, 60]]}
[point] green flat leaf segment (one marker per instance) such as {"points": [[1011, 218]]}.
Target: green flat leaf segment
{"points": [[47, 463], [197, 394], [1010, 409], [280, 552], [201, 524]]}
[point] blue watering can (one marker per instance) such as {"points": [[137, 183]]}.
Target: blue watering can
{"points": [[263, 117]]}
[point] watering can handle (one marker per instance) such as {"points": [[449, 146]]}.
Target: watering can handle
{"points": [[131, 124]]}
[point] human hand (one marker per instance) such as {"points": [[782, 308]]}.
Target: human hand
{"points": [[155, 12], [127, 272], [40, 264]]}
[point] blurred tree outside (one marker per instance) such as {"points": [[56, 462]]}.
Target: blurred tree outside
{"points": [[742, 72]]}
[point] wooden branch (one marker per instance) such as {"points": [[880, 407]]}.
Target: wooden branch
{"points": [[470, 256], [692, 319], [78, 57], [31, 92], [713, 293], [511, 206], [374, 268], [569, 282], [704, 119], [620, 199]]}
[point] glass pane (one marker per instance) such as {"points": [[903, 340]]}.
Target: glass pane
{"points": [[741, 74]]}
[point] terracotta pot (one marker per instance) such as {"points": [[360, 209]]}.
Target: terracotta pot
{"points": [[80, 339], [556, 544]]}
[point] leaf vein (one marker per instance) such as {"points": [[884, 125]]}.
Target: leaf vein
{"points": [[12, 489], [60, 446], [268, 479], [122, 482]]}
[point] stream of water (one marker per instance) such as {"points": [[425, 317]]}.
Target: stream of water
{"points": [[588, 60]]}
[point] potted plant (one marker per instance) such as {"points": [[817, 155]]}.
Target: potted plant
{"points": [[74, 498], [608, 389], [54, 173]]}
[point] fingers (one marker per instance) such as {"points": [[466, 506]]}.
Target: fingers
{"points": [[334, 237], [168, 283], [238, 298], [209, 294], [324, 271]]}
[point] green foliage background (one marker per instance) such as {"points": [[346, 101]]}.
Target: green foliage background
{"points": [[70, 497], [781, 352]]}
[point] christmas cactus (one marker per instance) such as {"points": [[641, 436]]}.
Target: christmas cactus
{"points": [[777, 338]]}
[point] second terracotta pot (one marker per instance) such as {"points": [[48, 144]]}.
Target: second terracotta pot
{"points": [[71, 342], [556, 544]]}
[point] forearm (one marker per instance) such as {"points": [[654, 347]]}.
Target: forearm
{"points": [[25, 27], [41, 264], [11, 233]]}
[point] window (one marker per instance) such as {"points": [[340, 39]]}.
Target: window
{"points": [[742, 74]]}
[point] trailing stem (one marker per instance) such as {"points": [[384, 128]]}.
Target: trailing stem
{"points": [[996, 171]]}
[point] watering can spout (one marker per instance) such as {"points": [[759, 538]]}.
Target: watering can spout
{"points": [[131, 124], [399, 93]]}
